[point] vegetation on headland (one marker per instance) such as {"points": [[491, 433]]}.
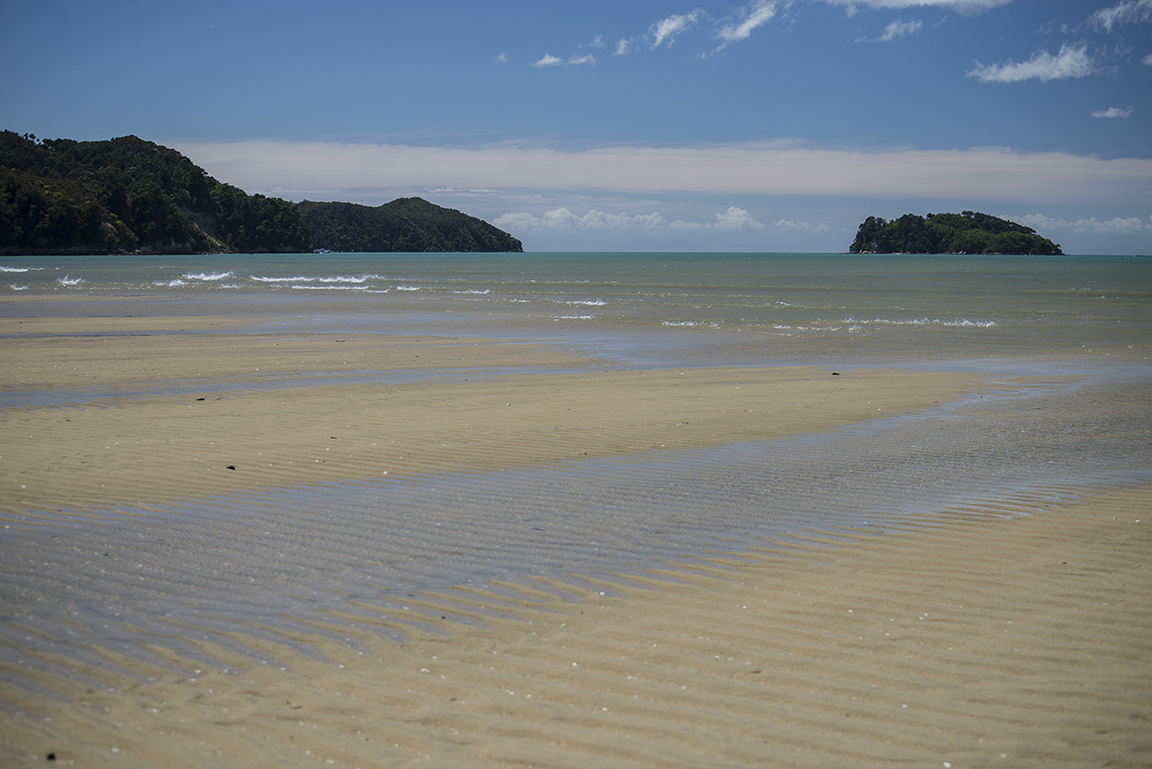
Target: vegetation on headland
{"points": [[405, 224], [964, 233], [127, 195]]}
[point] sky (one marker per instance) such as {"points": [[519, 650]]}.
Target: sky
{"points": [[756, 125]]}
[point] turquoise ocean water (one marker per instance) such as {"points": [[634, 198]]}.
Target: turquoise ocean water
{"points": [[789, 307], [1081, 327]]}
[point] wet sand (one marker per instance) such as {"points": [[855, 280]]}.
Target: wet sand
{"points": [[143, 420], [1014, 632], [985, 639]]}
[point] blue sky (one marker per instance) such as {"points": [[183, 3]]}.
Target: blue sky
{"points": [[651, 124]]}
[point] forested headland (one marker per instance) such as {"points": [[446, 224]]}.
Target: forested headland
{"points": [[965, 233], [405, 224], [127, 195]]}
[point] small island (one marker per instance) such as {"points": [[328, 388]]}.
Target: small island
{"points": [[967, 232], [127, 195]]}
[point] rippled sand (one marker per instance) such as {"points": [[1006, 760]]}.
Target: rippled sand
{"points": [[241, 548], [986, 639]]}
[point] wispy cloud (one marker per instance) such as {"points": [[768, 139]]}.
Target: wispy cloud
{"points": [[548, 61], [1127, 12], [623, 47], [1147, 60], [1112, 112], [970, 7], [894, 31], [899, 29], [1116, 226], [667, 30], [563, 220], [1071, 62], [789, 224], [753, 16], [553, 61], [501, 58], [294, 169]]}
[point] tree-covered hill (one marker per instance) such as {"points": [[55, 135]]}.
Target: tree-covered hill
{"points": [[405, 224], [126, 195], [964, 233]]}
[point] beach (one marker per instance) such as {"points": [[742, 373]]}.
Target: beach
{"points": [[376, 531], [859, 650]]}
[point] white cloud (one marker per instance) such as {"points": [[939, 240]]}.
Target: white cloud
{"points": [[295, 169], [1092, 226], [1112, 112], [622, 47], [737, 219], [1070, 62], [960, 6], [501, 58], [562, 220], [893, 31], [899, 29], [1127, 12], [789, 224], [598, 42], [553, 61], [1147, 60], [755, 15], [667, 29]]}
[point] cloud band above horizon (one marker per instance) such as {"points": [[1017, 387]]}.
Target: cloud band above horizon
{"points": [[777, 169]]}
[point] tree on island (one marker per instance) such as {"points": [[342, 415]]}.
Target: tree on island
{"points": [[965, 233]]}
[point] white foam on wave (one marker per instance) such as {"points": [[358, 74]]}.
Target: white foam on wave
{"points": [[209, 276], [70, 281], [348, 279], [587, 302], [174, 283], [574, 317], [13, 269], [14, 287], [296, 279], [471, 291], [954, 322], [408, 288], [330, 288], [964, 322]]}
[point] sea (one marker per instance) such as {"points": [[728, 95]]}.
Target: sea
{"points": [[1079, 326], [776, 308]]}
